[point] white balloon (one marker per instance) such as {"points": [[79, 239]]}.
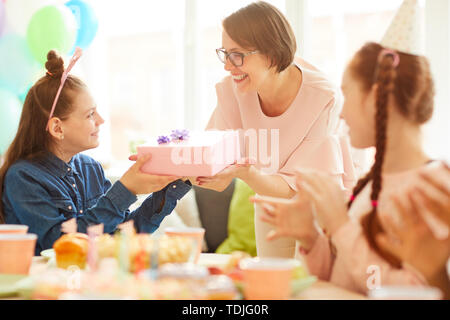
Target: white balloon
{"points": [[19, 13]]}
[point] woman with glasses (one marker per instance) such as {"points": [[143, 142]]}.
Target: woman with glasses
{"points": [[284, 100]]}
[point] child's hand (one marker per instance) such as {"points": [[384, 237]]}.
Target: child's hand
{"points": [[291, 218], [412, 241], [327, 196], [142, 183], [433, 192]]}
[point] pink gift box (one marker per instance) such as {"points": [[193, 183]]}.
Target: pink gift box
{"points": [[202, 154]]}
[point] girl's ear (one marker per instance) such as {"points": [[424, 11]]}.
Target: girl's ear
{"points": [[56, 129]]}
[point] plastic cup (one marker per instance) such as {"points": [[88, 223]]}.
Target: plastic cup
{"points": [[196, 234], [13, 228], [267, 278], [405, 293], [16, 252]]}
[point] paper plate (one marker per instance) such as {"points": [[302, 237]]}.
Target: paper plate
{"points": [[48, 254], [8, 284], [213, 259], [298, 285]]}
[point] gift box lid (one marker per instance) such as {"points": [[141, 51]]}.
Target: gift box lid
{"points": [[195, 139]]}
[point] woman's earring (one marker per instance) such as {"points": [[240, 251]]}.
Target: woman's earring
{"points": [[62, 137]]}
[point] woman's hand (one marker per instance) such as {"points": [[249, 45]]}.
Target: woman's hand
{"points": [[138, 182], [411, 239], [328, 198], [291, 218], [222, 180]]}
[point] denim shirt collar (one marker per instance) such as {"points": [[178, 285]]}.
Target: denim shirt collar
{"points": [[58, 166]]}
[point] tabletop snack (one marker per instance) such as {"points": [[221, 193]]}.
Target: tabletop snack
{"points": [[71, 249], [173, 281], [221, 287]]}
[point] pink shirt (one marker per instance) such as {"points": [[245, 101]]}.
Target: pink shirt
{"points": [[354, 261], [309, 130]]}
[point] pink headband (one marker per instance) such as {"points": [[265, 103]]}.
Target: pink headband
{"points": [[77, 54], [394, 55]]}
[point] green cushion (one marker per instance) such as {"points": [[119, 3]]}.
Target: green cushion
{"points": [[241, 222]]}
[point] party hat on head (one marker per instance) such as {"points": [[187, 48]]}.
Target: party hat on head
{"points": [[405, 32]]}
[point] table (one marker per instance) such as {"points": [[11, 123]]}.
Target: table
{"points": [[320, 290]]}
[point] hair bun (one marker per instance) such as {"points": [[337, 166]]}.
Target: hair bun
{"points": [[54, 64]]}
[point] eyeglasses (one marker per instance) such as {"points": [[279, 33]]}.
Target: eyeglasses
{"points": [[236, 58]]}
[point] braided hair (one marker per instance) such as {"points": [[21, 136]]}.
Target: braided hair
{"points": [[411, 85]]}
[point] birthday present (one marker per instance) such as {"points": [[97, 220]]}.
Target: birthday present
{"points": [[185, 153]]}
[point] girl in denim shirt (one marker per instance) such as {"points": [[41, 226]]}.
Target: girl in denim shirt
{"points": [[45, 180]]}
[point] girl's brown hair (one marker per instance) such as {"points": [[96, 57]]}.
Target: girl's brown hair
{"points": [[411, 86], [32, 140], [261, 26]]}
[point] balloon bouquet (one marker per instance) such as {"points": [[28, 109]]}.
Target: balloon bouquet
{"points": [[28, 30]]}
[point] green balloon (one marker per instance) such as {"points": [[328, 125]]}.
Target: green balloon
{"points": [[51, 27], [10, 109]]}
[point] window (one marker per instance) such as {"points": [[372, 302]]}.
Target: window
{"points": [[152, 67], [337, 29], [136, 72], [332, 31]]}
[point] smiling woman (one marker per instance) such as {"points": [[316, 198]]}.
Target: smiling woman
{"points": [[270, 90]]}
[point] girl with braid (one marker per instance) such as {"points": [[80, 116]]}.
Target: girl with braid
{"points": [[389, 94]]}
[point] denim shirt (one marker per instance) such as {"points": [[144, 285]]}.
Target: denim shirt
{"points": [[45, 192]]}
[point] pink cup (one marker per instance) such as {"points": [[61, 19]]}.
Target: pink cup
{"points": [[13, 228], [196, 234], [267, 278], [16, 252]]}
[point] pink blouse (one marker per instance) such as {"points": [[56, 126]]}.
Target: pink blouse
{"points": [[309, 130], [355, 262]]}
